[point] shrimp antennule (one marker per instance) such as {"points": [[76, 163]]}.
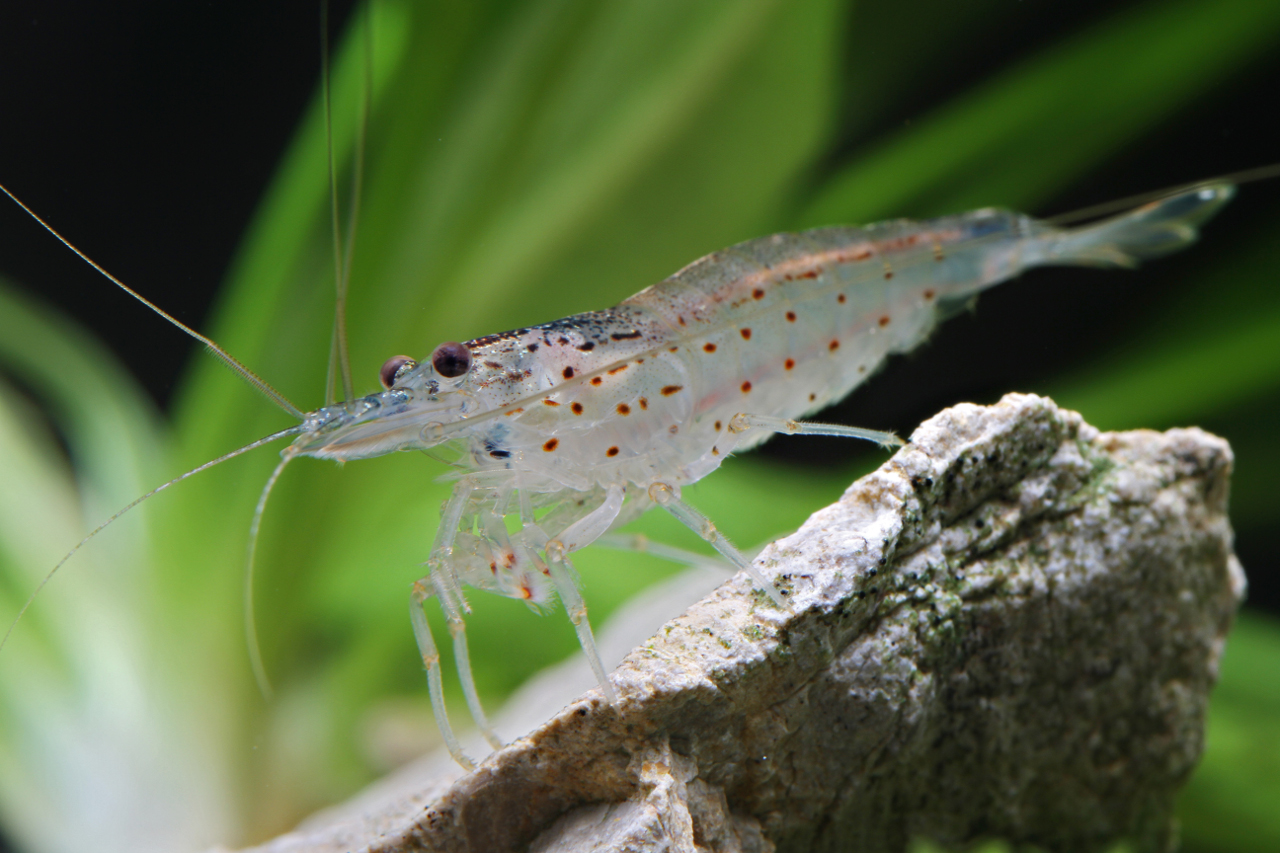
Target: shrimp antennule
{"points": [[239, 451]]}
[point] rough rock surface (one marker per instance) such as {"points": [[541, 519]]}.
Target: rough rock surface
{"points": [[1010, 629]]}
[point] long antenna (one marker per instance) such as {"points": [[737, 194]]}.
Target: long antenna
{"points": [[229, 360], [253, 445], [250, 621], [357, 179], [1245, 176], [338, 346]]}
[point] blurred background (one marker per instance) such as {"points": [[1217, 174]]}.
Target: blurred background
{"points": [[526, 161]]}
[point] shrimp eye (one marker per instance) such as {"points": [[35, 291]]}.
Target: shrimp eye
{"points": [[451, 360], [393, 367]]}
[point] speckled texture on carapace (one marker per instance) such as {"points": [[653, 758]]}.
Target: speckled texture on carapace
{"points": [[1010, 629]]}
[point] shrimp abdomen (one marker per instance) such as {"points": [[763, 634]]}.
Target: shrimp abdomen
{"points": [[786, 324]]}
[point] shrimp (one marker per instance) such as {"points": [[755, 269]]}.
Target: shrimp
{"points": [[580, 425]]}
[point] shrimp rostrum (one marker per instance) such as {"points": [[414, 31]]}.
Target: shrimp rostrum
{"points": [[580, 425]]}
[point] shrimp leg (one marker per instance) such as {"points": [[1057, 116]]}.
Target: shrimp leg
{"points": [[445, 587], [431, 660], [668, 498], [639, 543], [462, 658], [742, 422], [578, 535]]}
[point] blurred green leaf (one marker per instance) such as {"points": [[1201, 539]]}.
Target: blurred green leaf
{"points": [[1214, 347], [1038, 126], [1230, 803], [82, 753]]}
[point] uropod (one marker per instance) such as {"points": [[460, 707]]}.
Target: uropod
{"points": [[560, 432]]}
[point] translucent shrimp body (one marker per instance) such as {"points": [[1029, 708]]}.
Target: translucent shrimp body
{"points": [[581, 424]]}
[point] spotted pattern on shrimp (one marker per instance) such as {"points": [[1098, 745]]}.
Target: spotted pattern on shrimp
{"points": [[583, 423]]}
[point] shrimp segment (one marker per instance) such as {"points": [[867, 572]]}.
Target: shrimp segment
{"points": [[580, 425]]}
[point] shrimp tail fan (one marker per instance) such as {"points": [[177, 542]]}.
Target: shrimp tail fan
{"points": [[1153, 230]]}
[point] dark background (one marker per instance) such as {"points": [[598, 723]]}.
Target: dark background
{"points": [[146, 132]]}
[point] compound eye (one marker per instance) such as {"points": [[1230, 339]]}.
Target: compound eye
{"points": [[451, 360], [393, 367]]}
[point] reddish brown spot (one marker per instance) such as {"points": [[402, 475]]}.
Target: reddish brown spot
{"points": [[862, 254], [618, 369], [673, 349], [888, 274], [715, 451], [746, 334], [884, 321], [791, 316], [568, 373], [717, 426], [812, 397], [514, 411], [673, 429], [624, 409], [811, 273], [833, 346], [576, 408], [746, 387], [862, 368], [758, 293], [612, 451], [596, 380], [552, 444], [550, 403], [668, 390], [639, 361], [929, 294], [789, 363], [841, 299], [644, 402], [708, 347], [680, 320]]}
